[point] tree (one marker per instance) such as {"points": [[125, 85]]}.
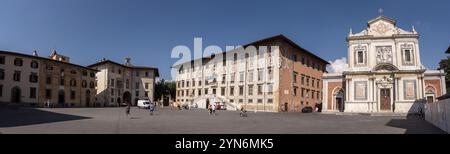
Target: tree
{"points": [[445, 65], [166, 88]]}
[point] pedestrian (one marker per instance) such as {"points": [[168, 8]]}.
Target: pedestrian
{"points": [[128, 110], [210, 109], [151, 108], [213, 108]]}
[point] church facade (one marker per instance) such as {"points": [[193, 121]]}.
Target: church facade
{"points": [[384, 73]]}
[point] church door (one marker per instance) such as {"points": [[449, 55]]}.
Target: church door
{"points": [[385, 99]]}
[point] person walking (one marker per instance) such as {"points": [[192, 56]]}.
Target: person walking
{"points": [[151, 108], [127, 110], [213, 108], [210, 109]]}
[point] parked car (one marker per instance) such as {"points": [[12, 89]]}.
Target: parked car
{"points": [[143, 104], [307, 109]]}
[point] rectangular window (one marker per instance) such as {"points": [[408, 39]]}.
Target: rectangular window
{"points": [[61, 81], [241, 90], [231, 91], [260, 74], [270, 73], [318, 83], [303, 92], [303, 80], [214, 91], [146, 85], [232, 77], [222, 91], [270, 89], [408, 56], [16, 76], [241, 76], [269, 101], [206, 91], [260, 89], [199, 92], [137, 85], [241, 101], [2, 59], [146, 93], [250, 90], [295, 91], [33, 77], [2, 74], [48, 93], [360, 57], [72, 94], [312, 94], [313, 82], [137, 74], [1, 90], [112, 82], [250, 101], [48, 80], [32, 92], [260, 101], [307, 93], [137, 93], [307, 81], [193, 82], [294, 77], [224, 78], [112, 92], [146, 74]]}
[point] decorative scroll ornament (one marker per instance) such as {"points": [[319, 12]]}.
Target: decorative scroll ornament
{"points": [[385, 82]]}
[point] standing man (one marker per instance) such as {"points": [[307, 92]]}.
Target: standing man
{"points": [[213, 108]]}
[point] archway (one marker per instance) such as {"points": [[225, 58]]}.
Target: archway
{"points": [[430, 94], [61, 97], [16, 93], [127, 98], [338, 99]]}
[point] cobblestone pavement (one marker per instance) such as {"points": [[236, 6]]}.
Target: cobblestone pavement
{"points": [[171, 121]]}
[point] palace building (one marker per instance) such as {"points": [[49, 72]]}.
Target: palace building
{"points": [[121, 84], [35, 80], [281, 77], [384, 73]]}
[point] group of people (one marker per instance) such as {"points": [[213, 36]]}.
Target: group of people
{"points": [[151, 108], [212, 109]]}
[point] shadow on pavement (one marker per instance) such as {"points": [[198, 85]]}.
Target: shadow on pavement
{"points": [[415, 125], [30, 116]]}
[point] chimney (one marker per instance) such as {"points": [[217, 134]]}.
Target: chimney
{"points": [[35, 53], [127, 61]]}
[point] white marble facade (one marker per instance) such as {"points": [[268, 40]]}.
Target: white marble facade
{"points": [[384, 71]]}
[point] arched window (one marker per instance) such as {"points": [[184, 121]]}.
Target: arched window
{"points": [[18, 62], [73, 82], [84, 83], [34, 64], [91, 84]]}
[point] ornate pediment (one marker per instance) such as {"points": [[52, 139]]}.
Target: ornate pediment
{"points": [[385, 67], [381, 26]]}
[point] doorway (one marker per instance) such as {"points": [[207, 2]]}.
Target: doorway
{"points": [[207, 103], [16, 93], [339, 104], [61, 97], [385, 99]]}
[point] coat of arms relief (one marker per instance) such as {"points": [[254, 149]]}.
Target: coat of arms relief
{"points": [[384, 54]]}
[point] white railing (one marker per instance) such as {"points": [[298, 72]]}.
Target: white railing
{"points": [[438, 114]]}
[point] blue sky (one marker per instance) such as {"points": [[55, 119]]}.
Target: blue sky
{"points": [[147, 30]]}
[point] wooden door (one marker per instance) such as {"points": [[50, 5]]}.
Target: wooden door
{"points": [[385, 99]]}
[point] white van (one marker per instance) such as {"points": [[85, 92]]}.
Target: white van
{"points": [[143, 104]]}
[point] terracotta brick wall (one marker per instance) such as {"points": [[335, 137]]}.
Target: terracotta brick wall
{"points": [[331, 87], [436, 84]]}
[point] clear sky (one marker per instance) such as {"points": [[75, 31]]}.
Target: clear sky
{"points": [[147, 30]]}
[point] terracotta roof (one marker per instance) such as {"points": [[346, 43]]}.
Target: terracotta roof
{"points": [[43, 58], [132, 67], [280, 36]]}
